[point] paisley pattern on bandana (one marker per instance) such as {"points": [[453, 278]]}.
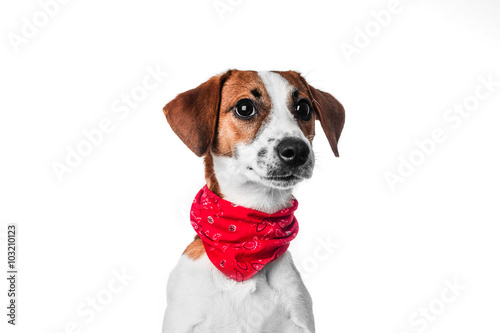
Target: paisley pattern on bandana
{"points": [[239, 241]]}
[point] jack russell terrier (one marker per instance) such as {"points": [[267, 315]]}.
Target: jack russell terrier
{"points": [[255, 132]]}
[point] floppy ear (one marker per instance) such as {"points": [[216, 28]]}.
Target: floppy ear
{"points": [[193, 114], [331, 115]]}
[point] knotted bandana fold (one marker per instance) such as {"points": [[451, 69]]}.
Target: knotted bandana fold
{"points": [[239, 241]]}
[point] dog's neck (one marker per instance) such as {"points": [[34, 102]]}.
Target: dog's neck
{"points": [[245, 193]]}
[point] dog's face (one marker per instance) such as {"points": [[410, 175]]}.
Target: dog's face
{"points": [[265, 130], [255, 127]]}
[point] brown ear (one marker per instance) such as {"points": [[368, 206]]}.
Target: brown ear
{"points": [[331, 115], [193, 114]]}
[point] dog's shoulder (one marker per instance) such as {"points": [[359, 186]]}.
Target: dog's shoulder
{"points": [[196, 249]]}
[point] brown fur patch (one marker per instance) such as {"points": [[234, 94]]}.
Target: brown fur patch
{"points": [[231, 130], [212, 182], [193, 114], [196, 249]]}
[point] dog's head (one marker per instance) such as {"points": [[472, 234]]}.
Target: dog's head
{"points": [[255, 127]]}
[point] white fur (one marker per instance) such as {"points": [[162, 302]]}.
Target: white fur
{"points": [[200, 298], [203, 300]]}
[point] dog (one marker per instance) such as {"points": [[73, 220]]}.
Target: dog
{"points": [[255, 132]]}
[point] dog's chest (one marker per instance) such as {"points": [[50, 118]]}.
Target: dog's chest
{"points": [[243, 307], [224, 305]]}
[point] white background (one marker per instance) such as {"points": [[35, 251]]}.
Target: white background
{"points": [[124, 207]]}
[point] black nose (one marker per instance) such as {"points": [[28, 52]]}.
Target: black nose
{"points": [[293, 151]]}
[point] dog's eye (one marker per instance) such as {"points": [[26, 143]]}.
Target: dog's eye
{"points": [[303, 110], [245, 109]]}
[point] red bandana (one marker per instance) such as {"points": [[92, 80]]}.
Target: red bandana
{"points": [[239, 241]]}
